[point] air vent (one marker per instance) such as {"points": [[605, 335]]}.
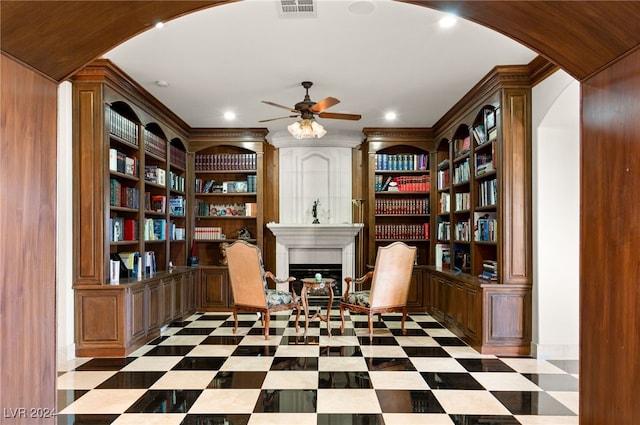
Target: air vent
{"points": [[297, 9]]}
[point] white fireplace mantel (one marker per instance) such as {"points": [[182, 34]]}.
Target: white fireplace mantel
{"points": [[315, 243], [315, 235]]}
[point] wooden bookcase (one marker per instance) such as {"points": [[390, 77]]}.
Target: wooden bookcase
{"points": [[480, 281], [130, 163], [398, 201], [227, 203]]}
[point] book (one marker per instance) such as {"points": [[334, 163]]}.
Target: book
{"points": [[176, 205], [158, 203], [130, 229], [150, 262], [117, 231]]}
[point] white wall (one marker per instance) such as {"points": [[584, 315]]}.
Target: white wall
{"points": [[556, 215], [64, 242]]}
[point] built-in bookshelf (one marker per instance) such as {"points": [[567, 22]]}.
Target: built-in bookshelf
{"points": [[147, 198], [399, 192], [130, 214], [480, 282], [226, 200]]}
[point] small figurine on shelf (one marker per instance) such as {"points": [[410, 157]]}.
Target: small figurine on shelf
{"points": [[314, 211], [223, 252], [244, 233]]}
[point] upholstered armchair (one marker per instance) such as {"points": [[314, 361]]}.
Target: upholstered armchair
{"points": [[249, 285], [390, 280]]}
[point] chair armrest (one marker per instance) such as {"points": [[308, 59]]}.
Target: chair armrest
{"points": [[358, 281], [278, 280]]}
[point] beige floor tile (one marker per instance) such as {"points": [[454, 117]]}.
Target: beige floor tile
{"points": [[184, 380], [466, 353], [347, 401], [104, 401], [570, 399], [150, 419], [247, 364], [382, 351], [228, 331], [283, 418], [205, 324], [532, 366], [504, 381], [184, 340], [142, 350], [332, 363], [470, 402], [547, 420], [298, 351], [398, 380], [294, 380], [416, 341], [259, 340], [212, 350], [337, 340], [83, 380], [416, 419], [152, 363], [437, 364], [440, 332], [226, 401]]}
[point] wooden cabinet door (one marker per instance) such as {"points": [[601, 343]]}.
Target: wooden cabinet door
{"points": [[459, 309], [178, 297], [414, 299], [190, 292], [214, 288], [167, 300], [154, 306], [473, 323], [136, 314]]}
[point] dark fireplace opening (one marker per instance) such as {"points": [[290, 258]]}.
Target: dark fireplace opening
{"points": [[303, 271]]}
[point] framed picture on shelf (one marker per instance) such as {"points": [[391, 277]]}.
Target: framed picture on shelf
{"points": [[489, 119]]}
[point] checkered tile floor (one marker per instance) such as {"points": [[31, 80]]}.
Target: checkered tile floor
{"points": [[199, 372]]}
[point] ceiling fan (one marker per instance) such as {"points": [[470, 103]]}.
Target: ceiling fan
{"points": [[307, 109]]}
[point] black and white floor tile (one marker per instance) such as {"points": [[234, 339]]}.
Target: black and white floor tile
{"points": [[199, 373]]}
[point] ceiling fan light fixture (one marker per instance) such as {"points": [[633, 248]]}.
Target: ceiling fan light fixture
{"points": [[306, 129]]}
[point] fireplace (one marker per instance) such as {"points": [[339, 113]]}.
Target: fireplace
{"points": [[321, 245], [315, 181]]}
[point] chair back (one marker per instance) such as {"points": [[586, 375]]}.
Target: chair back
{"points": [[392, 275], [246, 274]]}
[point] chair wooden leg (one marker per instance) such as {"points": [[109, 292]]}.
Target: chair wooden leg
{"points": [[342, 318], [297, 318], [370, 327], [266, 324], [404, 317], [235, 320]]}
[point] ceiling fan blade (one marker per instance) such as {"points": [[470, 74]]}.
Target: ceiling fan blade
{"points": [[279, 106], [325, 103], [353, 117], [279, 118]]}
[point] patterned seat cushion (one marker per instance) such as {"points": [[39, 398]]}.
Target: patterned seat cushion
{"points": [[360, 298], [275, 297]]}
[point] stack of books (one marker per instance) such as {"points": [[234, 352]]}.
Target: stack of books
{"points": [[489, 270]]}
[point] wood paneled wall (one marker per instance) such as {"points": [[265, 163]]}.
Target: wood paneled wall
{"points": [[609, 246], [28, 105]]}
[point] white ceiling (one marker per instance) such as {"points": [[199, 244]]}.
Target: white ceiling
{"points": [[375, 56]]}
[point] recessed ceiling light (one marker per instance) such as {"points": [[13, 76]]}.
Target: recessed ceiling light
{"points": [[390, 116], [362, 7], [448, 21], [229, 116], [162, 83], [160, 25]]}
